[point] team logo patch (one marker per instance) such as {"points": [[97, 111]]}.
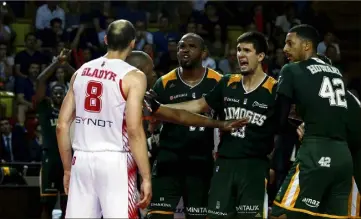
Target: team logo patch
{"points": [[73, 161]]}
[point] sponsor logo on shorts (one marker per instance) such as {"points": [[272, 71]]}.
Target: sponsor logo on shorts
{"points": [[311, 202], [165, 205], [196, 211], [247, 209], [217, 213]]}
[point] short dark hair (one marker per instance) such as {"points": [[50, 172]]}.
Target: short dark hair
{"points": [[55, 20], [137, 59], [307, 32], [258, 40], [119, 34]]}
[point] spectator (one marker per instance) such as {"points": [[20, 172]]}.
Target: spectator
{"points": [[6, 68], [13, 146], [132, 13], [102, 32], [63, 75], [277, 63], [72, 17], [332, 53], [51, 36], [161, 37], [35, 146], [25, 90], [209, 20], [5, 31], [46, 13], [261, 20], [219, 43], [191, 27], [169, 60], [149, 49], [142, 36], [208, 62], [229, 65], [287, 20], [30, 55], [329, 39]]}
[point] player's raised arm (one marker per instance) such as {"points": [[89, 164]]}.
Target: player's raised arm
{"points": [[66, 117]]}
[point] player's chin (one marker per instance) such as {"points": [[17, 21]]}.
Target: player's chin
{"points": [[245, 71], [186, 64]]}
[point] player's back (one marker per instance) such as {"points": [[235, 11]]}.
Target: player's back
{"points": [[319, 93], [100, 106]]}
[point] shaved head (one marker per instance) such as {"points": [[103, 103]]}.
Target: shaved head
{"points": [[139, 59], [120, 34], [195, 36], [143, 62]]}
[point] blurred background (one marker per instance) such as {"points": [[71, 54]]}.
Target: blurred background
{"points": [[32, 33]]}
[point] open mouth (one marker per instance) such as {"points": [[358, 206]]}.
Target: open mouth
{"points": [[185, 57], [243, 63]]}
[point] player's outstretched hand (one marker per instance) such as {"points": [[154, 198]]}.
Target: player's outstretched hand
{"points": [[66, 180], [145, 194], [150, 103], [231, 125]]}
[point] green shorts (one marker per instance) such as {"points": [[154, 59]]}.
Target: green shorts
{"points": [[238, 189], [319, 183], [171, 182], [51, 177]]}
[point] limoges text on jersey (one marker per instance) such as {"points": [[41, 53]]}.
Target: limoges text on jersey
{"points": [[239, 112]]}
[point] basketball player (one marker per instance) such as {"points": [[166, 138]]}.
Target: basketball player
{"points": [[105, 100]]}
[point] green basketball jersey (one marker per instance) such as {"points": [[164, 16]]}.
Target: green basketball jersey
{"points": [[183, 140], [231, 101], [318, 91], [48, 118]]}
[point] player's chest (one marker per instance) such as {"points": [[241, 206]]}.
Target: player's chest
{"points": [[238, 103], [180, 92]]}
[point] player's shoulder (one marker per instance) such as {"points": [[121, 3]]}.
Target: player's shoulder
{"points": [[270, 84], [230, 79], [170, 76], [352, 98], [213, 75]]}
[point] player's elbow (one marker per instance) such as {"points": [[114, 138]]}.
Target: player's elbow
{"points": [[61, 127], [135, 131]]}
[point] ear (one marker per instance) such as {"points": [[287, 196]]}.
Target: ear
{"points": [[307, 45], [132, 44], [261, 56], [105, 40]]}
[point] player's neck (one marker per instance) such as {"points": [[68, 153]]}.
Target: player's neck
{"points": [[116, 55], [192, 74], [252, 81]]}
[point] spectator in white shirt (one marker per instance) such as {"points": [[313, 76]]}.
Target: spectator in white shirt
{"points": [[46, 13], [208, 62], [287, 20], [328, 40]]}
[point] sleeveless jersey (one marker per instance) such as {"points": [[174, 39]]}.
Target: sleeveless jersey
{"points": [[100, 106]]}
